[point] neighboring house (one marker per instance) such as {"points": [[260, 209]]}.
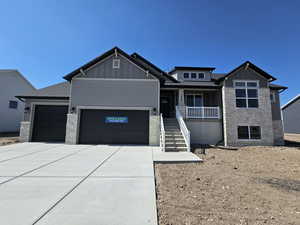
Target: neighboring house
{"points": [[118, 99], [291, 116], [12, 83]]}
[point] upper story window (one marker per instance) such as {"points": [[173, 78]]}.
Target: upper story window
{"points": [[193, 76], [13, 104], [201, 75], [116, 63], [246, 93], [186, 75]]}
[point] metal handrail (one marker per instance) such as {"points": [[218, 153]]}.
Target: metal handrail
{"points": [[162, 134], [185, 132]]}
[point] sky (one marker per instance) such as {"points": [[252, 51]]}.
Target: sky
{"points": [[46, 40]]}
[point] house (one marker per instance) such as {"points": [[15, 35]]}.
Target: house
{"points": [[291, 116], [124, 99], [12, 82]]}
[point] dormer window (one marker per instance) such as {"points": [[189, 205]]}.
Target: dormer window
{"points": [[201, 76], [186, 75], [116, 63], [194, 75]]}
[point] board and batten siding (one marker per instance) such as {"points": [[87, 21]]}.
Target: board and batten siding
{"points": [[127, 70]]}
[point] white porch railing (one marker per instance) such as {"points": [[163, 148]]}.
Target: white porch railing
{"points": [[203, 112], [185, 132], [162, 134]]}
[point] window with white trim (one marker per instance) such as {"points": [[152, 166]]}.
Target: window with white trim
{"points": [[246, 93], [194, 100], [116, 63], [249, 132], [186, 75]]}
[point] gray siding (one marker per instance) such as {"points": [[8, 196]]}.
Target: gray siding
{"points": [[291, 118], [29, 103], [179, 75], [12, 83], [248, 74], [276, 111], [205, 132], [127, 70], [115, 93]]}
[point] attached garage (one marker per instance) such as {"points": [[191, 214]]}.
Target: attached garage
{"points": [[114, 127], [49, 123]]}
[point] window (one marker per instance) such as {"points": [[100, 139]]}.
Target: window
{"points": [[249, 132], [13, 104], [194, 100], [186, 75], [116, 63], [201, 75], [246, 93], [193, 75], [273, 97]]}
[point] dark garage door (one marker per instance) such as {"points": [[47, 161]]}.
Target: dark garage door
{"points": [[114, 127], [50, 123]]}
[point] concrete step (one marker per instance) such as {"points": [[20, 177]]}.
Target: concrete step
{"points": [[173, 140], [173, 145], [175, 149], [173, 136]]}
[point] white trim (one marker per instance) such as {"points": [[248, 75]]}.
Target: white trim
{"points": [[113, 107], [116, 63], [194, 79]]}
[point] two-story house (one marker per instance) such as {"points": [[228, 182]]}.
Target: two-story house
{"points": [[124, 99]]}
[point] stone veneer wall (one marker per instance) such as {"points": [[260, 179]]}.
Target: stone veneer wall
{"points": [[25, 131], [278, 132], [71, 129], [233, 117], [154, 130]]}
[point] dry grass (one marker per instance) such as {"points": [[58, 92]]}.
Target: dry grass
{"points": [[254, 185], [8, 138]]}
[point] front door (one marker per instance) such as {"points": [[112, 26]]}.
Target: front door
{"points": [[165, 106]]}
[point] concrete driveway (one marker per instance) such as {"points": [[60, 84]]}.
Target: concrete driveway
{"points": [[76, 185]]}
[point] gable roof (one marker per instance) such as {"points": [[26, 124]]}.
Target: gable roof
{"points": [[60, 90], [69, 76], [136, 55], [252, 66], [290, 102]]}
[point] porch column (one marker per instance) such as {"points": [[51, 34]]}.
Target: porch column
{"points": [[181, 104]]}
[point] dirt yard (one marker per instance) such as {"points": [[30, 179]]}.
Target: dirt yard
{"points": [[254, 185], [8, 138]]}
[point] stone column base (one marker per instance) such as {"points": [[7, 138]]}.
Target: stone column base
{"points": [[71, 129], [25, 131], [154, 130]]}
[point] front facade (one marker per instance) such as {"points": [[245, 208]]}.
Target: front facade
{"points": [[12, 83], [124, 99], [291, 116]]}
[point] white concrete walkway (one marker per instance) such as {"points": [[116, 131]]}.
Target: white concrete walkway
{"points": [[76, 184]]}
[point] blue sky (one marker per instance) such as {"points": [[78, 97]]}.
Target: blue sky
{"points": [[45, 40]]}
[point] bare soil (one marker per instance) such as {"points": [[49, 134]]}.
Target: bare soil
{"points": [[8, 138], [253, 185]]}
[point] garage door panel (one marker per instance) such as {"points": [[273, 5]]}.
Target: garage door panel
{"points": [[97, 127], [50, 123]]}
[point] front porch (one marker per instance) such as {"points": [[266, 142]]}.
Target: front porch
{"points": [[192, 104]]}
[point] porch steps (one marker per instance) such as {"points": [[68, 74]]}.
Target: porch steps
{"points": [[174, 141]]}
